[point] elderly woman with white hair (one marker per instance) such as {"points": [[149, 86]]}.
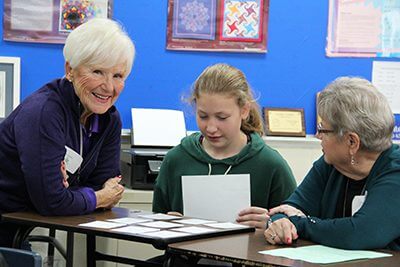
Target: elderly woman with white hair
{"points": [[350, 198], [68, 120]]}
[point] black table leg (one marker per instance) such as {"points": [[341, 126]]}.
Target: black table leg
{"points": [[70, 249], [90, 250]]}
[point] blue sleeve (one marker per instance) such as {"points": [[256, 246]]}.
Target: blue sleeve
{"points": [[108, 161], [40, 136]]}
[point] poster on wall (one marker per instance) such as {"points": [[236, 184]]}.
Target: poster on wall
{"points": [[218, 25], [2, 94], [363, 28], [49, 21], [9, 85]]}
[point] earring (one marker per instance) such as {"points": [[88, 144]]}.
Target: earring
{"points": [[70, 77], [352, 161]]}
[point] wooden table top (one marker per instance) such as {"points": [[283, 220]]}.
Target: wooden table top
{"points": [[244, 248], [72, 224]]}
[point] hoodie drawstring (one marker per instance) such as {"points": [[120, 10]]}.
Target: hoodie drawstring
{"points": [[226, 172]]}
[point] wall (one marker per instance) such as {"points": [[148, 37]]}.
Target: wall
{"points": [[289, 75]]}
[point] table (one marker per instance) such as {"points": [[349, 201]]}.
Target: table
{"points": [[71, 224], [242, 250]]}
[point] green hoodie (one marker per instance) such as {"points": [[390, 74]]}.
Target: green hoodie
{"points": [[271, 179]]}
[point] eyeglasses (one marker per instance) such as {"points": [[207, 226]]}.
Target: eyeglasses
{"points": [[321, 130]]}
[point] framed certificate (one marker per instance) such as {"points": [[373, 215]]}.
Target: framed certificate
{"points": [[284, 122], [9, 85]]}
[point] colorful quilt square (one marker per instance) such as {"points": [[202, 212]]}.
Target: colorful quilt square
{"points": [[241, 20], [75, 12], [194, 19]]}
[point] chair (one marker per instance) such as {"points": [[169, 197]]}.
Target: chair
{"points": [[19, 257]]}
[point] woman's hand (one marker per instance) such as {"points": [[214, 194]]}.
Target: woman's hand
{"points": [[281, 231], [64, 174], [175, 213], [111, 193], [253, 216], [288, 210]]}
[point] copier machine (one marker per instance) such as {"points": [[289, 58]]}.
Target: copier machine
{"points": [[154, 133]]}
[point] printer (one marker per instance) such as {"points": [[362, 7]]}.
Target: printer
{"points": [[154, 132]]}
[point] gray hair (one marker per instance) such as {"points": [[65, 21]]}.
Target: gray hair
{"points": [[351, 104], [99, 42]]}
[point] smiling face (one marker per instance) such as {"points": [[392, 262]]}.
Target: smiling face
{"points": [[97, 87], [219, 119]]}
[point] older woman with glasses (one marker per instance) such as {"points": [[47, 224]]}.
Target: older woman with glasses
{"points": [[350, 198]]}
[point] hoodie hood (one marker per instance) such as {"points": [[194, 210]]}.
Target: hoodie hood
{"points": [[192, 146]]}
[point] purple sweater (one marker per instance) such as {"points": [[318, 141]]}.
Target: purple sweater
{"points": [[32, 145]]}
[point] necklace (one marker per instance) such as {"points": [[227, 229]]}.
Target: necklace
{"points": [[345, 197]]}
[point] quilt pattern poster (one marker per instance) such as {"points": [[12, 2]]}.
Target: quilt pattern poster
{"points": [[217, 25], [49, 21], [73, 12], [241, 20], [194, 19]]}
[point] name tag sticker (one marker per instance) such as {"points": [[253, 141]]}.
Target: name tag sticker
{"points": [[357, 203], [72, 160]]}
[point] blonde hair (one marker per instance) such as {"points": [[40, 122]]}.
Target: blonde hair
{"points": [[225, 79]]}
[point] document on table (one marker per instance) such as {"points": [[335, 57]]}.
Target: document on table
{"points": [[133, 229], [324, 255], [129, 220], [161, 224], [215, 197], [165, 234], [195, 230], [159, 216], [102, 224], [194, 221]]}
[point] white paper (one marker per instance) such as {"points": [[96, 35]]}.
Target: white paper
{"points": [[159, 216], [357, 203], [135, 229], [2, 94], [165, 234], [72, 160], [227, 225], [157, 127], [161, 224], [195, 230], [129, 220], [386, 77], [102, 224], [323, 254], [194, 221], [358, 27], [33, 15], [215, 197]]}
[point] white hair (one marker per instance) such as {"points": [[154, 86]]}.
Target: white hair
{"points": [[99, 42]]}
